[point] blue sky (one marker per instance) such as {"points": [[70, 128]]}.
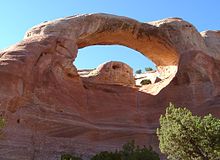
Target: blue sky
{"points": [[19, 15]]}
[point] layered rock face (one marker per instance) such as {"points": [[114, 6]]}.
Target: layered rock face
{"points": [[51, 110]]}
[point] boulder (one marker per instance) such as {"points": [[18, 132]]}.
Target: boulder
{"points": [[113, 72]]}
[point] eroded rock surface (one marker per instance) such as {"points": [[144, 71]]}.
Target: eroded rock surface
{"points": [[113, 72], [50, 110]]}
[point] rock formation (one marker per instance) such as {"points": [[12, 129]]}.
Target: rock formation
{"points": [[51, 110], [113, 72]]}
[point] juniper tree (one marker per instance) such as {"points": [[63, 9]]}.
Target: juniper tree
{"points": [[188, 137]]}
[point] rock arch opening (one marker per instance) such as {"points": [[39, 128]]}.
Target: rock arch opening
{"points": [[92, 56], [110, 64], [95, 68]]}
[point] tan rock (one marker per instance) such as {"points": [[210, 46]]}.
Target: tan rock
{"points": [[212, 41], [112, 72], [51, 110]]}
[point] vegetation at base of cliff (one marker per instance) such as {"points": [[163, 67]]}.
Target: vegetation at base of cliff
{"points": [[129, 151], [70, 157], [2, 124], [188, 137], [145, 82]]}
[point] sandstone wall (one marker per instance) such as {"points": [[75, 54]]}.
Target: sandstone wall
{"points": [[50, 110]]}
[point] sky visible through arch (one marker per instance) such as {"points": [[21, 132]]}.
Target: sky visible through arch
{"points": [[106, 53], [17, 16]]}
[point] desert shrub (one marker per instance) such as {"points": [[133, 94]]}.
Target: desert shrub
{"points": [[2, 124], [129, 151], [70, 157], [148, 69], [145, 82], [138, 71], [107, 156], [188, 137]]}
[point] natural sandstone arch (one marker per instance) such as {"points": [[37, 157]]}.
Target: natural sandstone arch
{"points": [[104, 29], [142, 37], [53, 46]]}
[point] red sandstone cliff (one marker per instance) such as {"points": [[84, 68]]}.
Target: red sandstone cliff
{"points": [[50, 109]]}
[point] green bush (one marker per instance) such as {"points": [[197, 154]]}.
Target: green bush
{"points": [[129, 152], [70, 157], [2, 124], [138, 71], [145, 82], [107, 156], [188, 137], [148, 69]]}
